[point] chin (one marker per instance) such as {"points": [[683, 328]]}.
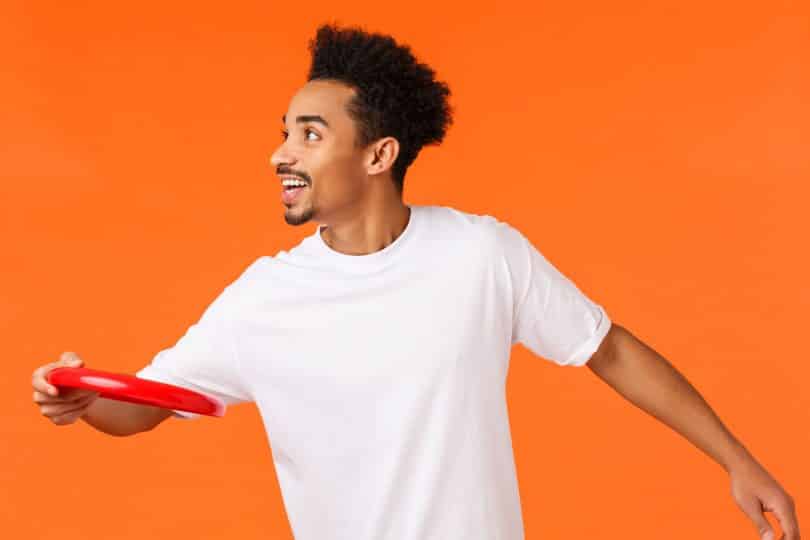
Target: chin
{"points": [[298, 218]]}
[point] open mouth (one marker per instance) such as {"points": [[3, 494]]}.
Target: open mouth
{"points": [[291, 189], [291, 182], [293, 186]]}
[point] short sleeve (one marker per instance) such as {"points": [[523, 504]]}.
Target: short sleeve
{"points": [[551, 316], [204, 358]]}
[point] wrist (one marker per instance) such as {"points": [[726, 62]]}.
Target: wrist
{"points": [[737, 458]]}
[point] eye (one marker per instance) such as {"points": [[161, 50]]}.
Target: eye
{"points": [[307, 133]]}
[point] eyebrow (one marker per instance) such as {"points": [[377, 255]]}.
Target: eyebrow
{"points": [[307, 118]]}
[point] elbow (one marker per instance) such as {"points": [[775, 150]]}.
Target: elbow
{"points": [[606, 353]]}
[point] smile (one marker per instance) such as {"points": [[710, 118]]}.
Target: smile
{"points": [[289, 194]]}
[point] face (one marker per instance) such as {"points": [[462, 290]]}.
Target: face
{"points": [[319, 149]]}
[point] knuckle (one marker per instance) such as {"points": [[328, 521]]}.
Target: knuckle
{"points": [[50, 410]]}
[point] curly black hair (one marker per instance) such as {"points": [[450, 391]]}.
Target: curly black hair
{"points": [[395, 95]]}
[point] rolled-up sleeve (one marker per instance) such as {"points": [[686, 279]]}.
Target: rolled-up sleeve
{"points": [[552, 317], [204, 359]]}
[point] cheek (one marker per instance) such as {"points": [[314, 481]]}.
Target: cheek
{"points": [[340, 175]]}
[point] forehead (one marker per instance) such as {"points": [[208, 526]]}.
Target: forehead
{"points": [[327, 99]]}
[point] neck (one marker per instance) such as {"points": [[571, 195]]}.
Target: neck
{"points": [[370, 229]]}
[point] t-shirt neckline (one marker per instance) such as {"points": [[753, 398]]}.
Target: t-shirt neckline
{"points": [[370, 261]]}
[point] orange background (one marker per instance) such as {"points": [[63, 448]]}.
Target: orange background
{"points": [[658, 155]]}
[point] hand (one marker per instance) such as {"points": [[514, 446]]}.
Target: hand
{"points": [[755, 491], [62, 406]]}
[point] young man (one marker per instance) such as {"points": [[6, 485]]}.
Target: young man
{"points": [[377, 349]]}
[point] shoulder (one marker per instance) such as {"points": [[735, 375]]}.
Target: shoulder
{"points": [[246, 280], [497, 236], [488, 230], [253, 271]]}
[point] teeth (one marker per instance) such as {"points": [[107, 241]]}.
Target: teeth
{"points": [[293, 183]]}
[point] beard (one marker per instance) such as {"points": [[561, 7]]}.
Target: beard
{"points": [[298, 218]]}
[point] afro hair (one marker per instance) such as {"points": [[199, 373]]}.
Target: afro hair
{"points": [[395, 95]]}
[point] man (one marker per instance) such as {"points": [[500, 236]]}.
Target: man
{"points": [[377, 349]]}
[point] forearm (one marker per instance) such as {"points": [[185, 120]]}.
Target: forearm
{"points": [[120, 418], [649, 381]]}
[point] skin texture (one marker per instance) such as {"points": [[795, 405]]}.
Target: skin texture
{"points": [[350, 190], [647, 380], [65, 406]]}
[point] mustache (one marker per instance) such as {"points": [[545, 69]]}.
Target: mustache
{"points": [[289, 172]]}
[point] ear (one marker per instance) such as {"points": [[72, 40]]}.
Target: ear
{"points": [[382, 156]]}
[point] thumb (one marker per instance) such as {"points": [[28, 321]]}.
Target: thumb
{"points": [[753, 509], [70, 359]]}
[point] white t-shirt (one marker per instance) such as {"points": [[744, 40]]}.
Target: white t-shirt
{"points": [[381, 378]]}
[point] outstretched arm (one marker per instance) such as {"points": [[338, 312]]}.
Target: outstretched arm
{"points": [[647, 380]]}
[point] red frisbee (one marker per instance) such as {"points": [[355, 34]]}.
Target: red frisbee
{"points": [[121, 387]]}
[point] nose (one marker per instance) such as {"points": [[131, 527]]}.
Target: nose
{"points": [[282, 156]]}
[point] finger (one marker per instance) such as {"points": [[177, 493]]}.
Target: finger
{"points": [[786, 515], [68, 418], [71, 358], [40, 383], [66, 359], [69, 394], [52, 410], [43, 399], [57, 409], [64, 394], [753, 509]]}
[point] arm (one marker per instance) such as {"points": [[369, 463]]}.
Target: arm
{"points": [[120, 418], [647, 380], [65, 406]]}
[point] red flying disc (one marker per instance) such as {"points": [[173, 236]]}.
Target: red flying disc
{"points": [[121, 387]]}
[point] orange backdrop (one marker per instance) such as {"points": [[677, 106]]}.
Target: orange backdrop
{"points": [[657, 154]]}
